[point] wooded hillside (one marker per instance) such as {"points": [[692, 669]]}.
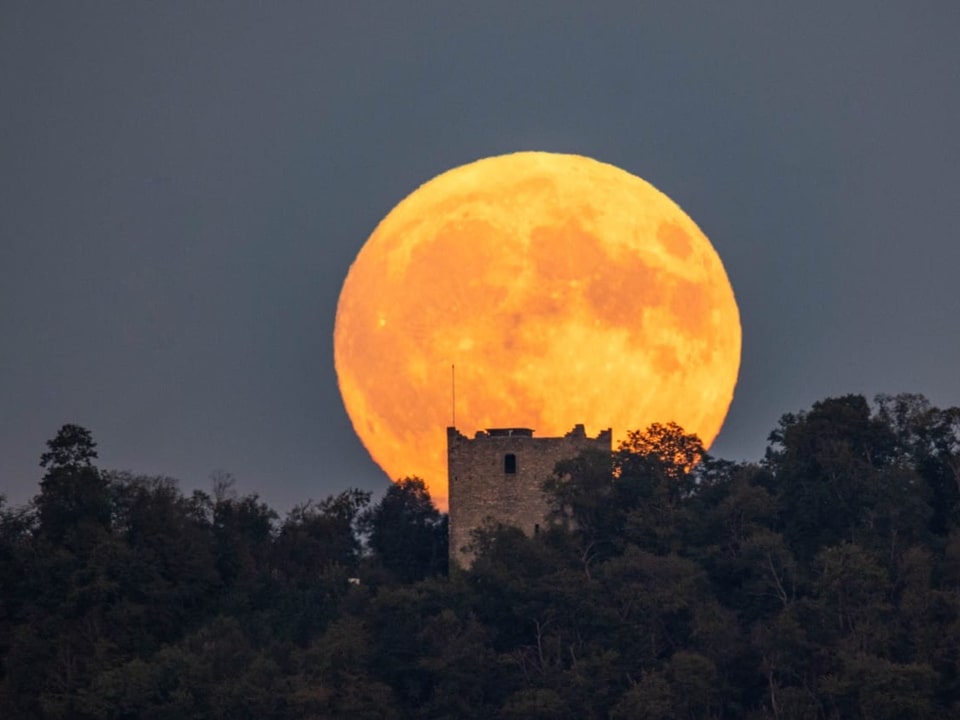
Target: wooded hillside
{"points": [[820, 582]]}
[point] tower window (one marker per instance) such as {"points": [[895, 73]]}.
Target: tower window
{"points": [[510, 464]]}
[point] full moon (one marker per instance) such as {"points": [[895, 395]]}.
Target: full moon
{"points": [[535, 290]]}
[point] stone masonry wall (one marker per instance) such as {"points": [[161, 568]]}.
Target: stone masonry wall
{"points": [[481, 490]]}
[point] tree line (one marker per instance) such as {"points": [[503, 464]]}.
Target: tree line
{"points": [[820, 582]]}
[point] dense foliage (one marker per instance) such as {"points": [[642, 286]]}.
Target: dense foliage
{"points": [[822, 582]]}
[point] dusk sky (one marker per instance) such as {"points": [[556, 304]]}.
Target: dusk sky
{"points": [[184, 185]]}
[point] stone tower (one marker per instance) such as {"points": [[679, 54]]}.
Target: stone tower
{"points": [[498, 475]]}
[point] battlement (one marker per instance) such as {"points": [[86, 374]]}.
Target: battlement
{"points": [[498, 476]]}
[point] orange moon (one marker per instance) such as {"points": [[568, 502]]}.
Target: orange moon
{"points": [[564, 290]]}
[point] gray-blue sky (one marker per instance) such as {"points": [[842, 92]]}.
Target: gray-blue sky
{"points": [[184, 185]]}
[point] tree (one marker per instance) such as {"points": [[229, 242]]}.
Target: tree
{"points": [[582, 494], [694, 680], [406, 532], [316, 537], [674, 451], [870, 686], [639, 494], [827, 465], [656, 599], [463, 671], [73, 448], [657, 479], [16, 526], [649, 699], [74, 498], [169, 579], [315, 551], [242, 537], [852, 590], [929, 439]]}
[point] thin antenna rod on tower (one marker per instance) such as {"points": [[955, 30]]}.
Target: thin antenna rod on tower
{"points": [[453, 394]]}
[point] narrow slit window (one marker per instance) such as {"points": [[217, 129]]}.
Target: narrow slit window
{"points": [[510, 464], [536, 529]]}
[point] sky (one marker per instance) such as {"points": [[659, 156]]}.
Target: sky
{"points": [[184, 185]]}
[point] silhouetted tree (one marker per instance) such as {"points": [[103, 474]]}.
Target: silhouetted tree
{"points": [[827, 465], [74, 498], [406, 532]]}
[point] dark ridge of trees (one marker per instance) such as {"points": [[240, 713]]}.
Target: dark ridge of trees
{"points": [[822, 582]]}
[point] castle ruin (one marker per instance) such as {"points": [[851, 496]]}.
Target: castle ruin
{"points": [[498, 476]]}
